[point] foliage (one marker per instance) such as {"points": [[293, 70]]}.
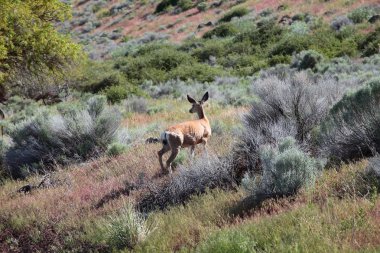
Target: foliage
{"points": [[307, 60], [222, 30], [115, 94], [286, 169], [201, 174], [29, 41], [127, 228], [371, 43], [202, 6], [294, 106], [361, 14], [235, 12], [116, 149], [351, 130], [71, 135]]}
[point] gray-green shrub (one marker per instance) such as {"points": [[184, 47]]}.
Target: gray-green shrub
{"points": [[205, 172], [308, 59], [352, 128], [285, 169], [70, 135]]}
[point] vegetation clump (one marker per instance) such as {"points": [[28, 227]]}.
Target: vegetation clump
{"points": [[71, 135]]}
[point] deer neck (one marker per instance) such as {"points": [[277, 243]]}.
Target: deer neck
{"points": [[201, 114]]}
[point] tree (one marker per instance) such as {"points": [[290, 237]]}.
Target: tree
{"points": [[30, 43]]}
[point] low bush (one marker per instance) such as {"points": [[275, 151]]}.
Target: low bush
{"points": [[361, 14], [185, 4], [307, 60], [285, 169], [370, 45], [71, 135], [127, 228], [351, 130], [116, 149], [235, 12], [294, 106], [198, 71], [202, 6], [115, 94], [203, 173], [339, 22], [223, 30], [136, 104]]}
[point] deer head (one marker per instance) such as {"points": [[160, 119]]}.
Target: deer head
{"points": [[197, 107]]}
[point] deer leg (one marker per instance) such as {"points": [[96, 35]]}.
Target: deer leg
{"points": [[204, 142], [160, 153], [192, 151], [171, 159]]}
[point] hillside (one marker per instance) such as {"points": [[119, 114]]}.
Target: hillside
{"points": [[102, 25], [283, 99]]}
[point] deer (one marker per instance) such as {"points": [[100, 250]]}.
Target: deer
{"points": [[185, 134]]}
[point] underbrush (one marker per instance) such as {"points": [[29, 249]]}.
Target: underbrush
{"points": [[71, 135]]}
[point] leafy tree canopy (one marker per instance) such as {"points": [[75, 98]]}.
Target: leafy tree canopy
{"points": [[29, 41]]}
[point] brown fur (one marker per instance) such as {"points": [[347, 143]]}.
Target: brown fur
{"points": [[186, 134]]}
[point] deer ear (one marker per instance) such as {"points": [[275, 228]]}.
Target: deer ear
{"points": [[205, 97], [190, 99]]}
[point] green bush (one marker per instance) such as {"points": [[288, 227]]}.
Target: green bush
{"points": [[164, 4], [307, 60], [198, 71], [370, 45], [235, 12], [185, 4], [265, 34], [361, 14], [292, 43], [127, 228], [202, 6], [214, 47], [117, 93], [116, 149], [223, 30]]}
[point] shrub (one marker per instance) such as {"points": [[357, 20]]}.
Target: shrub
{"points": [[340, 22], [71, 135], [292, 43], [371, 43], [361, 14], [185, 4], [117, 93], [235, 12], [164, 4], [285, 169], [127, 228], [202, 6], [294, 106], [223, 30], [372, 173], [198, 71], [307, 60], [351, 130], [203, 173], [116, 149], [267, 33], [139, 105], [214, 47]]}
